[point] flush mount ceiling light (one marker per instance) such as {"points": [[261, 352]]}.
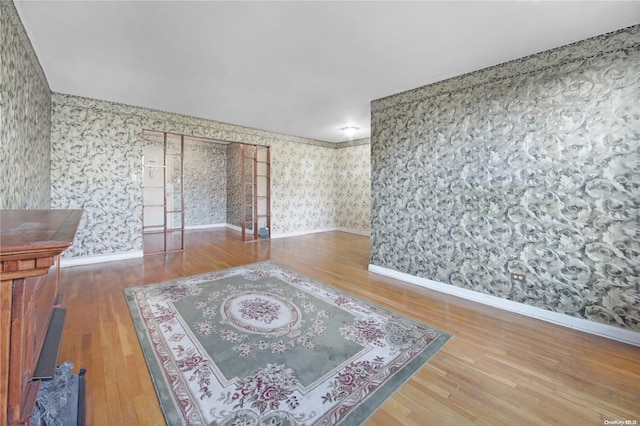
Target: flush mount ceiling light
{"points": [[350, 131]]}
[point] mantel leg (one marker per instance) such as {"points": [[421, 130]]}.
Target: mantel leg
{"points": [[5, 339]]}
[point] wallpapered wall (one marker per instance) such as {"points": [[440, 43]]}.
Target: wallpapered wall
{"points": [[25, 119], [234, 184], [205, 183], [95, 150], [204, 176], [97, 147], [532, 166], [302, 188], [352, 187]]}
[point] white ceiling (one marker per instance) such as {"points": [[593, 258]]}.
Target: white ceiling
{"points": [[301, 68]]}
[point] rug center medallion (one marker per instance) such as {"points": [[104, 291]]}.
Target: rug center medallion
{"points": [[261, 313]]}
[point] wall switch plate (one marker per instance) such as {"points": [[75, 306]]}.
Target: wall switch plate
{"points": [[519, 277]]}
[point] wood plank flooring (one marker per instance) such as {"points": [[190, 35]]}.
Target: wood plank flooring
{"points": [[499, 368]]}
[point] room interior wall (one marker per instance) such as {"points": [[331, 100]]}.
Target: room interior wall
{"points": [[528, 167], [205, 183], [96, 153], [25, 119], [86, 153], [352, 186], [234, 185], [301, 188], [96, 166]]}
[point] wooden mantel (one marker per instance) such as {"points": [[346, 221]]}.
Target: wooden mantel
{"points": [[30, 244], [29, 239]]}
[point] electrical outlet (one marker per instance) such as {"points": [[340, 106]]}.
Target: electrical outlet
{"points": [[519, 277]]}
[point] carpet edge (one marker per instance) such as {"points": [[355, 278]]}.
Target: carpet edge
{"points": [[162, 389], [356, 417], [391, 387]]}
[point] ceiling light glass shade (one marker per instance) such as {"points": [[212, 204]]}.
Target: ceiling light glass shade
{"points": [[350, 131]]}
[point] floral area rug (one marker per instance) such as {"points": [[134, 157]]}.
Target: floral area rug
{"points": [[261, 345]]}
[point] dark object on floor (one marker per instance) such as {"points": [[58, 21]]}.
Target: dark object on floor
{"points": [[60, 401]]}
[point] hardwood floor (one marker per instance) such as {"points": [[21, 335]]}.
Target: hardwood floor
{"points": [[499, 368]]}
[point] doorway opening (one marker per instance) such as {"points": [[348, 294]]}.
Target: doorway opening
{"points": [[195, 183], [256, 192], [162, 200]]}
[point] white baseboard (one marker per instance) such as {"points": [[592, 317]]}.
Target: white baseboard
{"points": [[283, 235], [592, 327], [212, 225], [87, 260], [299, 233], [316, 231], [354, 231]]}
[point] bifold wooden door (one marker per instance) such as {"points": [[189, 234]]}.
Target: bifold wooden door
{"points": [[256, 196], [163, 200]]}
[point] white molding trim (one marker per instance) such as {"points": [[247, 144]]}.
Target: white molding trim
{"points": [[212, 225], [316, 231], [299, 233], [283, 235], [87, 260], [592, 327], [354, 231]]}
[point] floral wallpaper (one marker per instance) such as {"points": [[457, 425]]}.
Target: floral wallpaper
{"points": [[25, 119], [204, 175], [301, 188], [205, 183], [529, 167], [352, 186], [97, 150], [234, 184]]}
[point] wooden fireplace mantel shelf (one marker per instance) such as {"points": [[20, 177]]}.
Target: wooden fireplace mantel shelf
{"points": [[31, 242], [27, 231]]}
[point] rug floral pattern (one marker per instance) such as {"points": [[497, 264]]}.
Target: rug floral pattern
{"points": [[261, 344]]}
